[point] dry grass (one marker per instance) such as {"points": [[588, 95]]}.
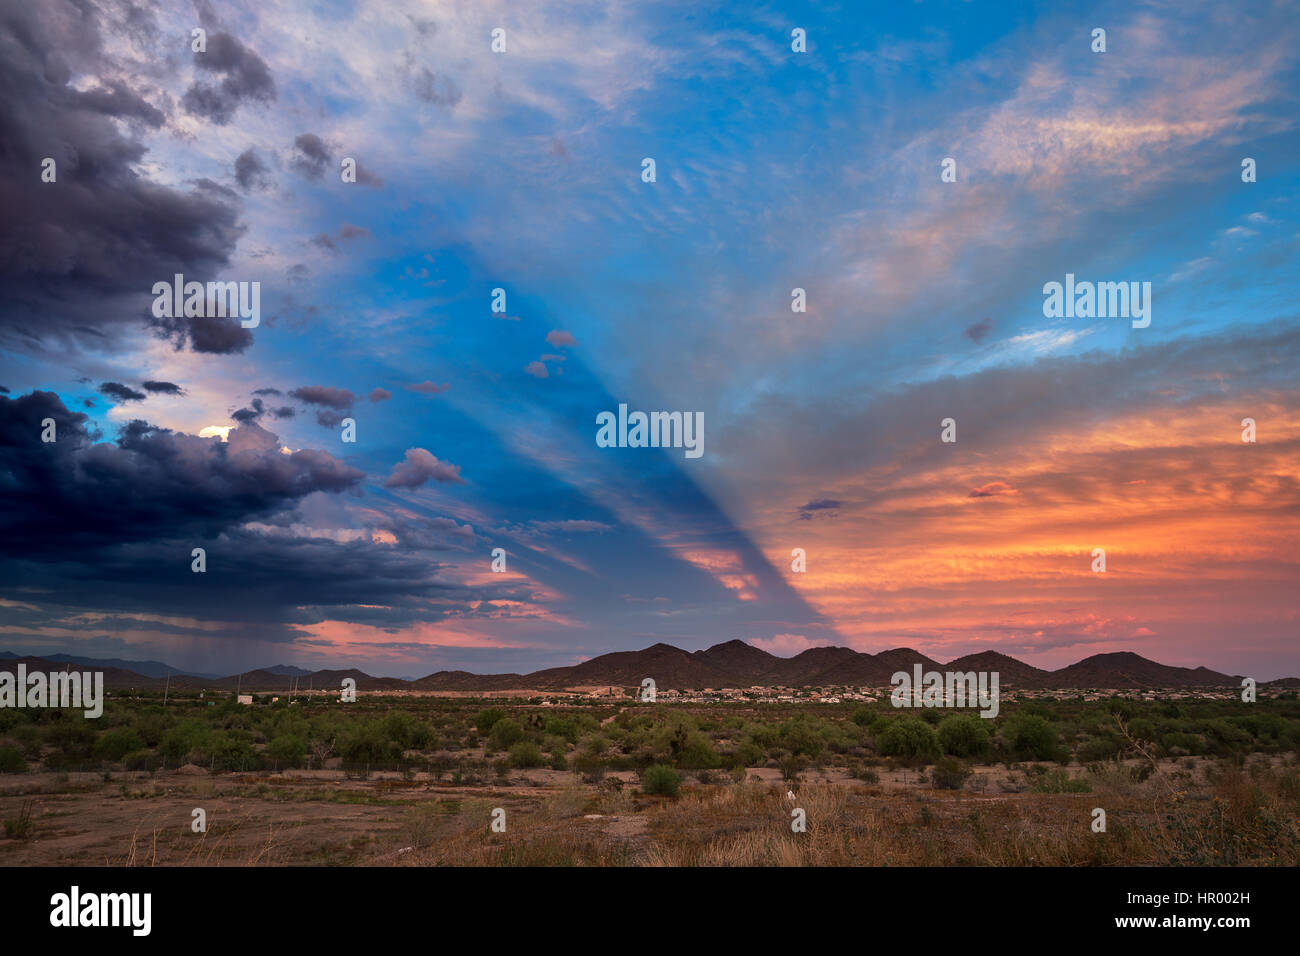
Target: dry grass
{"points": [[1232, 818], [1165, 814]]}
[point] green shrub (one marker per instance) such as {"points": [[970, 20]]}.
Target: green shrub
{"points": [[1098, 748], [288, 750], [1033, 737], [21, 826], [141, 760], [800, 736], [697, 752], [487, 719], [561, 727], [1057, 780], [964, 736], [505, 733], [12, 760], [750, 754], [525, 754], [909, 738], [117, 743], [661, 779], [188, 735]]}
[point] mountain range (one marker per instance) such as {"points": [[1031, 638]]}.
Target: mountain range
{"points": [[731, 664]]}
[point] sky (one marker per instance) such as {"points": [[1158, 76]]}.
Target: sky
{"points": [[474, 413]]}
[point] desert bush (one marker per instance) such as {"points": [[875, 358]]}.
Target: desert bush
{"points": [[487, 719], [72, 738], [21, 826], [525, 754], [791, 765], [750, 754], [950, 774], [562, 727], [288, 750], [1179, 743], [117, 743], [1098, 748], [964, 736], [909, 738], [1057, 780], [661, 780], [802, 737], [12, 760], [1033, 736], [505, 733]]}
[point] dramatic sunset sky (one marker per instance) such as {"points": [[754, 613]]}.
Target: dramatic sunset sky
{"points": [[476, 430]]}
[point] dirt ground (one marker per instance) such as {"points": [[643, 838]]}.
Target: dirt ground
{"points": [[325, 817]]}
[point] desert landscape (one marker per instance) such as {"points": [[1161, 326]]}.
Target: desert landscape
{"points": [[598, 776]]}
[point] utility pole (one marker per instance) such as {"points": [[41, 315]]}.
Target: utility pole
{"points": [[167, 686]]}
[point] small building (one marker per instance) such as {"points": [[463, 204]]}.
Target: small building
{"points": [[245, 699]]}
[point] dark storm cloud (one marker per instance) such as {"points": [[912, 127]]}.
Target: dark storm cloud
{"points": [[215, 334], [257, 408], [151, 483], [250, 171], [337, 403], [252, 414], [821, 504], [264, 585], [329, 419], [79, 256], [339, 399], [311, 157], [162, 388], [109, 527], [120, 393], [118, 100], [267, 391], [244, 76]]}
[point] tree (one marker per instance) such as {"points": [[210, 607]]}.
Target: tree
{"points": [[910, 738], [964, 736]]}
